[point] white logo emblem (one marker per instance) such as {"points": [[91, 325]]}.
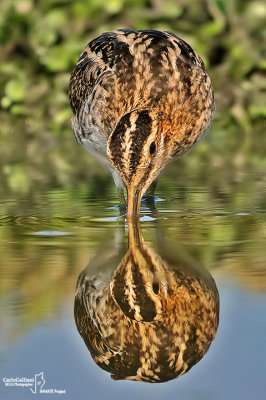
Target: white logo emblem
{"points": [[39, 382]]}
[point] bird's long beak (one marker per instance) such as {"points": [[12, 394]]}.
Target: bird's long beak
{"points": [[133, 201]]}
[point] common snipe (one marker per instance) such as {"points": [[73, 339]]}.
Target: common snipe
{"points": [[149, 319], [139, 99]]}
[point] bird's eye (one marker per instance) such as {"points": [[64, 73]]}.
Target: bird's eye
{"points": [[152, 148], [155, 287]]}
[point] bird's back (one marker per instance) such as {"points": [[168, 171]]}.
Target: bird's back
{"points": [[125, 70]]}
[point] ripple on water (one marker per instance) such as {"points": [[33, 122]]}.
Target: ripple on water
{"points": [[50, 233]]}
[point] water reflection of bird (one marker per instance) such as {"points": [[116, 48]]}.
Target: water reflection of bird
{"points": [[152, 318], [139, 99]]}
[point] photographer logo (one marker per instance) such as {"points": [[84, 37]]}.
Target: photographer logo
{"points": [[35, 384]]}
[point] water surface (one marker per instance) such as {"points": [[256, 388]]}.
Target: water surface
{"points": [[48, 239]]}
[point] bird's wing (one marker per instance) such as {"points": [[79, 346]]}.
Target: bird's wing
{"points": [[97, 58]]}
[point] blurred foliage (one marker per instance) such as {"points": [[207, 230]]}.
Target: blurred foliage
{"points": [[39, 45]]}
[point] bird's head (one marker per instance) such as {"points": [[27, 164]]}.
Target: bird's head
{"points": [[138, 151]]}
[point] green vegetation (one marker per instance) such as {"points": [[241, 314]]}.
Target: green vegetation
{"points": [[40, 42]]}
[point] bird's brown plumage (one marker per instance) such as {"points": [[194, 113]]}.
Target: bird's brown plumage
{"points": [[132, 90]]}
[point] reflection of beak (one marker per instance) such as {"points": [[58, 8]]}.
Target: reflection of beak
{"points": [[133, 201], [134, 232]]}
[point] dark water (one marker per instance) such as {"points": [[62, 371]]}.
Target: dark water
{"points": [[46, 242]]}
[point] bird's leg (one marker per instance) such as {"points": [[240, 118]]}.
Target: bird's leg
{"points": [[122, 200], [152, 187], [120, 189], [149, 195], [121, 195]]}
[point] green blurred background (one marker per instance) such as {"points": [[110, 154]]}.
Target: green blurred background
{"points": [[40, 42]]}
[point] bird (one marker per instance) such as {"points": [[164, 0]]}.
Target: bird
{"points": [[145, 315], [139, 98]]}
